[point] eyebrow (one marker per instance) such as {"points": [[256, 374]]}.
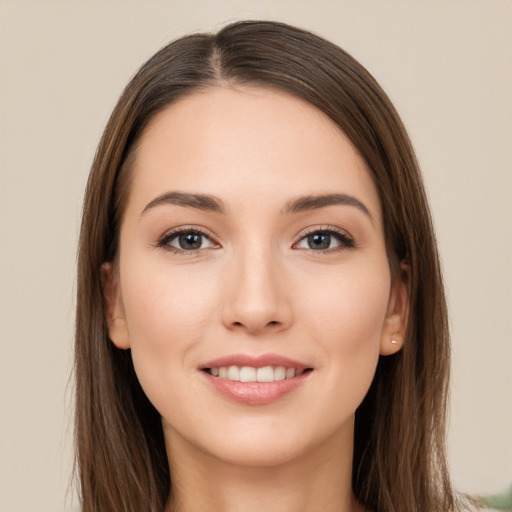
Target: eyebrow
{"points": [[314, 202], [215, 204], [198, 201]]}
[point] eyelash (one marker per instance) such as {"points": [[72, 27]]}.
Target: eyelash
{"points": [[345, 241], [171, 235]]}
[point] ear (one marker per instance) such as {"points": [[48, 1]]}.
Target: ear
{"points": [[114, 309], [395, 323]]}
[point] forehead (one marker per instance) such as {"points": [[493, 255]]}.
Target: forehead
{"points": [[248, 145]]}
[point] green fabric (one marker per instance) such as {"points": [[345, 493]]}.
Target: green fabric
{"points": [[500, 501]]}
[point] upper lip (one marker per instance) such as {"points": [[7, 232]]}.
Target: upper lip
{"points": [[255, 361]]}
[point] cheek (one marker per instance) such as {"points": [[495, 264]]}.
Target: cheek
{"points": [[346, 317], [168, 313], [350, 304]]}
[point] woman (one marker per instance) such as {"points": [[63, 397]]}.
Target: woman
{"points": [[261, 321]]}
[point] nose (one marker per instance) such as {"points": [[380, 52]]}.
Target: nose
{"points": [[256, 300]]}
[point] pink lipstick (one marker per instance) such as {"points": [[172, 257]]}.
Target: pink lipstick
{"points": [[255, 380]]}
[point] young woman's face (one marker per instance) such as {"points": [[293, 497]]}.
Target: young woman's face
{"points": [[252, 239]]}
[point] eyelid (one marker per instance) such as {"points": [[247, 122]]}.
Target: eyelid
{"points": [[346, 241], [171, 234]]}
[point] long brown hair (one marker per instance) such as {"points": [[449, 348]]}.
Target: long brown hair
{"points": [[399, 459]]}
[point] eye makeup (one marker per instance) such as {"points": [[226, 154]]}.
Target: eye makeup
{"points": [[190, 240]]}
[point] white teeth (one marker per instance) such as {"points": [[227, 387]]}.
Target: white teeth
{"points": [[247, 374], [233, 373], [280, 373], [250, 374], [290, 373], [265, 374]]}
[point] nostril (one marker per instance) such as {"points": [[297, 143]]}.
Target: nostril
{"points": [[256, 325]]}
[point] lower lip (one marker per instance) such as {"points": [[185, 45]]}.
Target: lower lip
{"points": [[255, 393]]}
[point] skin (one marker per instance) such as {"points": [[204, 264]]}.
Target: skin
{"points": [[255, 286]]}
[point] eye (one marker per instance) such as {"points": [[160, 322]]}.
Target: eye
{"points": [[325, 240], [186, 240]]}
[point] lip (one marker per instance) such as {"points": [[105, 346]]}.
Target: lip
{"points": [[255, 393], [255, 361]]}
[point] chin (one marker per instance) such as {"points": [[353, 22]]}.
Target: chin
{"points": [[257, 454], [269, 443]]}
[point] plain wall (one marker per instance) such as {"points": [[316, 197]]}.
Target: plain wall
{"points": [[447, 67]]}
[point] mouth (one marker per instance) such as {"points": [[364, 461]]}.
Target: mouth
{"points": [[254, 374], [255, 380]]}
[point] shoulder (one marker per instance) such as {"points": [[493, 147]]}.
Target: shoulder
{"points": [[467, 504], [478, 508]]}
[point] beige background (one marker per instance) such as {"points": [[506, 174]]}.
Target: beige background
{"points": [[447, 67]]}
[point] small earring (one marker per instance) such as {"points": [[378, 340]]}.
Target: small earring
{"points": [[394, 342]]}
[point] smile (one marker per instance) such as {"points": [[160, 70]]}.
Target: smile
{"points": [[255, 380], [252, 374]]}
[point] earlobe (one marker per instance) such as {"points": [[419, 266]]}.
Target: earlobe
{"points": [[114, 309], [395, 323]]}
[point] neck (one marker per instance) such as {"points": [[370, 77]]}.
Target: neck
{"points": [[310, 482]]}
